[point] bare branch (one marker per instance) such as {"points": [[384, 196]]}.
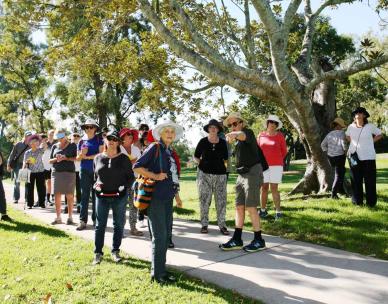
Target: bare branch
{"points": [[353, 69], [249, 38], [290, 14], [330, 3], [198, 90]]}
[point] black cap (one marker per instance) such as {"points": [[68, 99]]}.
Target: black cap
{"points": [[114, 134], [360, 110]]}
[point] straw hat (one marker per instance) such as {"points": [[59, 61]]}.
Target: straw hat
{"points": [[339, 121], [235, 115]]}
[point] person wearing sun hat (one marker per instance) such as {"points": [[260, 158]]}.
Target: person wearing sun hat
{"points": [[334, 144], [33, 161], [211, 154], [128, 147], [274, 147], [250, 164], [88, 147], [362, 156], [157, 163]]}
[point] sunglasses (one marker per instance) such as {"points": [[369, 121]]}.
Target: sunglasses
{"points": [[111, 138], [75, 135], [234, 124], [89, 127]]}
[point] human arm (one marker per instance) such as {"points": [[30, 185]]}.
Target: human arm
{"points": [[376, 138], [236, 135]]}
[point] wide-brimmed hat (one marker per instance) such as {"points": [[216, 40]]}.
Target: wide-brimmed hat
{"points": [[33, 137], [59, 134], [114, 134], [127, 131], [89, 122], [213, 122], [274, 118], [27, 133], [235, 115], [168, 124], [339, 121], [360, 110]]}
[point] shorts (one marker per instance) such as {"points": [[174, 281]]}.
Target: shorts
{"points": [[273, 175], [47, 174], [248, 187]]}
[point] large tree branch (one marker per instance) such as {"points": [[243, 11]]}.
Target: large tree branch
{"points": [[330, 3], [353, 69], [263, 8], [207, 68], [249, 37], [290, 15]]}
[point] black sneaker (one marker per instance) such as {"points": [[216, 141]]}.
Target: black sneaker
{"points": [[232, 244], [6, 218], [255, 245], [15, 202]]}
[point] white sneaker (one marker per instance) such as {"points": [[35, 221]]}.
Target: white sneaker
{"points": [[97, 259], [56, 221], [116, 257], [142, 224]]}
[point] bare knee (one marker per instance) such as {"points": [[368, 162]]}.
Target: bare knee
{"points": [[265, 187], [274, 188]]}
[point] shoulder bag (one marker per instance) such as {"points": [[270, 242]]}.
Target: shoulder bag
{"points": [[353, 157]]}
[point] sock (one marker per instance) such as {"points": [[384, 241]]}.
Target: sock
{"points": [[48, 196], [257, 235], [263, 209], [278, 211], [237, 234]]}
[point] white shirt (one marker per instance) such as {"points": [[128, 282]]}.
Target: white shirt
{"points": [[334, 143], [362, 140], [45, 159], [135, 153]]}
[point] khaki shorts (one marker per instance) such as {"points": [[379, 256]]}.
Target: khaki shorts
{"points": [[248, 187]]}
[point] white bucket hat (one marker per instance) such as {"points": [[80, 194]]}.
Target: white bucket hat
{"points": [[168, 124], [236, 115], [274, 118], [89, 122]]}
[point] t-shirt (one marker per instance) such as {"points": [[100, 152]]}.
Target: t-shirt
{"points": [[212, 156], [364, 136], [135, 152], [36, 164], [113, 175], [65, 165], [334, 143], [45, 159], [274, 148], [93, 146], [247, 152]]}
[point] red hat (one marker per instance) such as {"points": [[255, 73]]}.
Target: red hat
{"points": [[150, 138], [127, 131]]}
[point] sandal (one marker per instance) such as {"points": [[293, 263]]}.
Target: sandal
{"points": [[204, 229], [136, 232], [224, 231]]}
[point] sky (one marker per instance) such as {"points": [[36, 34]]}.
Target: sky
{"points": [[356, 20]]}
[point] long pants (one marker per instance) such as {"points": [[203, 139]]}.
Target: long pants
{"points": [[364, 171], [87, 182], [207, 185], [159, 222], [132, 211], [77, 189], [16, 187], [38, 179], [103, 205], [3, 204], [338, 165]]}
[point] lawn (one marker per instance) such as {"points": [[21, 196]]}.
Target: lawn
{"points": [[39, 263], [323, 221]]}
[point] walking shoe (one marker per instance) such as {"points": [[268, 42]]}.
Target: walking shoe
{"points": [[116, 257], [171, 244], [56, 221], [204, 229], [167, 279], [232, 244], [36, 205], [278, 216], [81, 226], [51, 204], [97, 259], [142, 224], [255, 245], [136, 232], [6, 218], [263, 214], [15, 202], [69, 221], [224, 231]]}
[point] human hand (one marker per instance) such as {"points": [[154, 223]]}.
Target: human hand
{"points": [[9, 169]]}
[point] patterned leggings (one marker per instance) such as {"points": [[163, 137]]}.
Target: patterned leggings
{"points": [[132, 211], [207, 185]]}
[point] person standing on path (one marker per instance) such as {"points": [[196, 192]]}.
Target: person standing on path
{"points": [[62, 157], [3, 204], [211, 155], [113, 171], [362, 155], [335, 145], [250, 163], [15, 163], [75, 138], [90, 145], [273, 145], [47, 166], [33, 161], [156, 163], [128, 138]]}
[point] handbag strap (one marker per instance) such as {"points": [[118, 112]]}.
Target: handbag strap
{"points": [[358, 139]]}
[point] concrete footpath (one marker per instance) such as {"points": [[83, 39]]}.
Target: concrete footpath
{"points": [[286, 271]]}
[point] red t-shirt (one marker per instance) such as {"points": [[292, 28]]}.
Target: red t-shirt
{"points": [[274, 148]]}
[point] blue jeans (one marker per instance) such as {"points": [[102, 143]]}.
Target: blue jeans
{"points": [[16, 187], [87, 182], [119, 207], [159, 219]]}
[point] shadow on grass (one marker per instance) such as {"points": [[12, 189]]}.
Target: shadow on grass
{"points": [[31, 228]]}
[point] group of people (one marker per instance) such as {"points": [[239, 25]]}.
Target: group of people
{"points": [[103, 168]]}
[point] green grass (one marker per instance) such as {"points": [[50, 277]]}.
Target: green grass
{"points": [[37, 260], [323, 221]]}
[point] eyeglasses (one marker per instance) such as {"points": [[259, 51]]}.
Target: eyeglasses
{"points": [[110, 138], [75, 135], [89, 127], [234, 124]]}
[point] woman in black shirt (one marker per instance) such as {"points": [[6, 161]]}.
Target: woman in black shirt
{"points": [[211, 154], [113, 173]]}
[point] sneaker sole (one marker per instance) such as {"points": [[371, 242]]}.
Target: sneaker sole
{"points": [[255, 250], [231, 249]]}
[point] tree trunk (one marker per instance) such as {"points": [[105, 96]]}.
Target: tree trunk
{"points": [[102, 111]]}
